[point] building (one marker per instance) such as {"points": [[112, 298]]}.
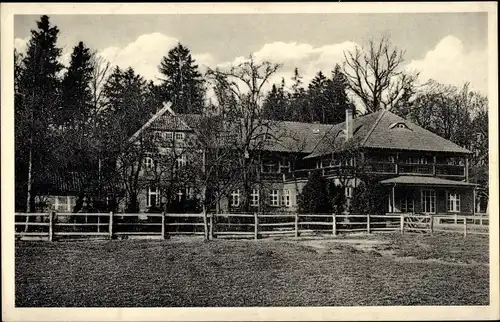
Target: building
{"points": [[425, 172]]}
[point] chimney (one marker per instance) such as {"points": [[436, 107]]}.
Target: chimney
{"points": [[348, 124]]}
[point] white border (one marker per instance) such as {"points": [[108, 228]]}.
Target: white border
{"points": [[9, 313]]}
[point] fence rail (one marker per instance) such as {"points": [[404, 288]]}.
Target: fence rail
{"points": [[110, 225]]}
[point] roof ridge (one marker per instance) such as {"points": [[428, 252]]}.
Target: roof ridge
{"points": [[373, 127], [166, 107]]}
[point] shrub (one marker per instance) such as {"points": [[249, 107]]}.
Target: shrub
{"points": [[370, 197]]}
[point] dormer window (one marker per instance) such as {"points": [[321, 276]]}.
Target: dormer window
{"points": [[399, 125]]}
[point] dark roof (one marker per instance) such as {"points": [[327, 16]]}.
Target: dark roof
{"points": [[375, 130], [284, 136], [422, 180], [378, 130]]}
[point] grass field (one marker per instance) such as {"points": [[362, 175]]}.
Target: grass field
{"points": [[387, 269]]}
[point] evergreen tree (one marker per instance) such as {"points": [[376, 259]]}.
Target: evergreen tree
{"points": [[276, 103], [315, 196], [327, 98], [76, 92], [182, 83], [297, 99], [37, 100]]}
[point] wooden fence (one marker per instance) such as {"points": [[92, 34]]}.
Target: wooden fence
{"points": [[243, 225]]}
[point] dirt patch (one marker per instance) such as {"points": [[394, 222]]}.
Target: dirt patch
{"points": [[377, 248]]}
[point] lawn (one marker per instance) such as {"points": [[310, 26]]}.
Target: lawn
{"points": [[387, 269]]}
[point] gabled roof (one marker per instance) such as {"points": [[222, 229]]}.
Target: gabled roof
{"points": [[288, 136], [379, 130], [376, 130], [422, 180]]}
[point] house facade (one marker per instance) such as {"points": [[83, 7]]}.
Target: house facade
{"points": [[424, 172]]}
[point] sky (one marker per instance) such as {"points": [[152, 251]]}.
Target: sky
{"points": [[450, 48]]}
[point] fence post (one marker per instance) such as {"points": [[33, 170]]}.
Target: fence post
{"points": [[111, 225], [163, 225], [296, 224], [256, 226], [368, 223], [334, 224], [51, 225], [456, 218], [465, 227], [402, 223], [211, 227], [432, 223], [98, 223]]}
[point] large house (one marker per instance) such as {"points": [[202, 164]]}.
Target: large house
{"points": [[424, 172]]}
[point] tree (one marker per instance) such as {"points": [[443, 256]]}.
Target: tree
{"points": [[182, 84], [315, 197], [275, 105], [298, 104], [250, 132], [374, 75], [369, 197], [127, 110], [327, 98], [37, 100], [76, 91]]}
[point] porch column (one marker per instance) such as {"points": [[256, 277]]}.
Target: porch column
{"points": [[434, 165], [397, 162], [474, 201], [393, 198], [467, 169]]}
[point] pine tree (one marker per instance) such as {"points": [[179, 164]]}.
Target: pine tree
{"points": [[37, 100], [76, 92], [182, 83], [297, 99], [276, 103]]}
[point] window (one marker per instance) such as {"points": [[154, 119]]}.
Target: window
{"points": [[407, 204], [181, 160], [158, 135], [392, 159], [64, 203], [423, 160], [152, 197], [189, 193], [275, 201], [179, 195], [179, 136], [254, 198], [284, 166], [429, 201], [286, 198], [348, 192], [235, 198], [453, 202], [148, 162], [169, 135]]}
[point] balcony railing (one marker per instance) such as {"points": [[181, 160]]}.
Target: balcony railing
{"points": [[450, 170], [373, 167], [381, 167], [408, 168]]}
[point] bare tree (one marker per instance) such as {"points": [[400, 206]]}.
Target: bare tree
{"points": [[101, 68], [242, 87], [375, 75]]}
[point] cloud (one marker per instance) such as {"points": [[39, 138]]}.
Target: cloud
{"points": [[309, 60], [144, 54], [450, 63], [21, 44]]}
